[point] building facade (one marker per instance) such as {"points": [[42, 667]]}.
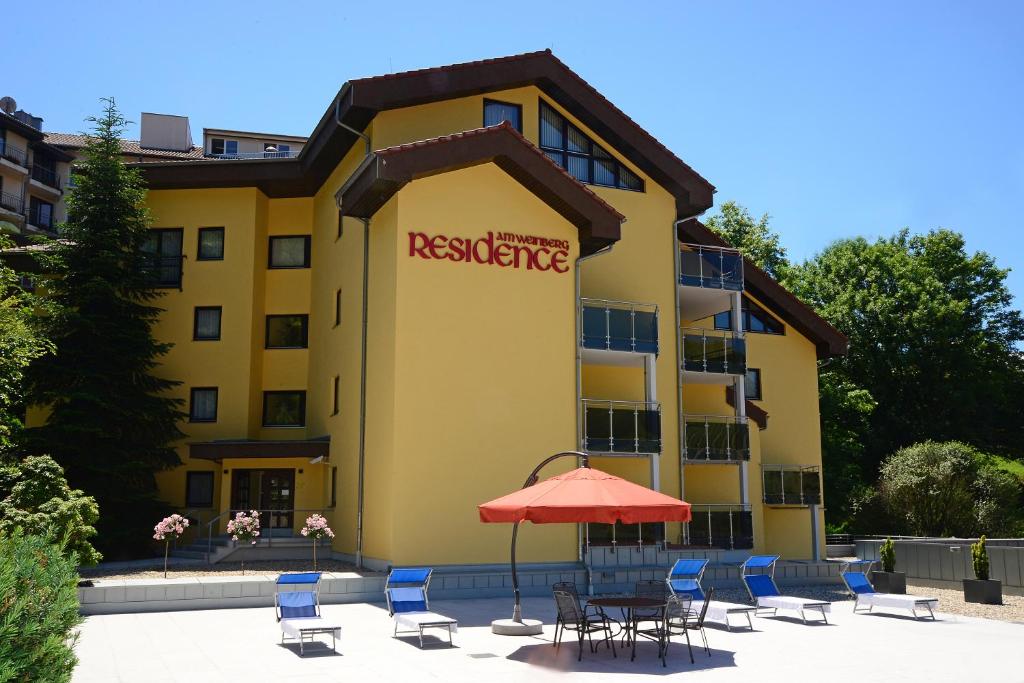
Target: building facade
{"points": [[33, 177], [464, 270]]}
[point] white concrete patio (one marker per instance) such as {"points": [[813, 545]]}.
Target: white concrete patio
{"points": [[243, 645]]}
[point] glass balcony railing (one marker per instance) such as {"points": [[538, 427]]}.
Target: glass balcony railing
{"points": [[791, 484], [619, 326], [714, 351], [12, 153], [716, 438], [625, 427], [725, 527], [710, 267]]}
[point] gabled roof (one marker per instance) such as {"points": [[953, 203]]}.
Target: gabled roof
{"points": [[388, 170], [828, 340]]}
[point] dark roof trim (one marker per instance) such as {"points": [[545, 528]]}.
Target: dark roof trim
{"points": [[388, 170], [221, 450], [828, 340], [360, 100], [56, 152]]}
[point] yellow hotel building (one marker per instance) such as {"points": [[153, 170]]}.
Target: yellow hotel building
{"points": [[466, 269]]}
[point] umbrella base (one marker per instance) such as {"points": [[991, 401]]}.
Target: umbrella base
{"points": [[508, 627]]}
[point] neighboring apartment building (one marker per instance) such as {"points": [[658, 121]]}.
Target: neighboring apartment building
{"points": [[33, 176], [239, 144], [465, 270]]}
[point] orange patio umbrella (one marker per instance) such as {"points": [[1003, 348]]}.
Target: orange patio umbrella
{"points": [[584, 495]]}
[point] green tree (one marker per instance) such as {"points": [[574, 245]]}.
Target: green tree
{"points": [[21, 342], [35, 497], [754, 238], [112, 423], [845, 412], [38, 609], [933, 340]]}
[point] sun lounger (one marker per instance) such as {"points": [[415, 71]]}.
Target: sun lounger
{"points": [[406, 593], [765, 593], [298, 611], [855, 576], [684, 579]]}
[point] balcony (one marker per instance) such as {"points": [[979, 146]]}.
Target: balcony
{"points": [[11, 202], [791, 484], [15, 155], [164, 271], [710, 355], [621, 427], [715, 439], [708, 279], [613, 331], [290, 154], [46, 176], [725, 527]]}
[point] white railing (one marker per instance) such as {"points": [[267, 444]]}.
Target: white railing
{"points": [[290, 154]]}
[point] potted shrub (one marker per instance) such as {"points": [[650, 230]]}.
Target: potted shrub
{"points": [[981, 588], [889, 580]]}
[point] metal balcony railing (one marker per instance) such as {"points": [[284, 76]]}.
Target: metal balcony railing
{"points": [[713, 351], [164, 271], [46, 176], [710, 267], [716, 438], [726, 527], [791, 484], [12, 153], [626, 427], [619, 326], [290, 154], [11, 202]]}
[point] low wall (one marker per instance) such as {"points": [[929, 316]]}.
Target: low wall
{"points": [[946, 562]]}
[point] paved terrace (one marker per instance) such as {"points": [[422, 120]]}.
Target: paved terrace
{"points": [[243, 645]]}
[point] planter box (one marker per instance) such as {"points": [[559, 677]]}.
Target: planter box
{"points": [[889, 582], [987, 592]]}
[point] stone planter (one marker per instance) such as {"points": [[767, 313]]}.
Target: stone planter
{"points": [[889, 582], [986, 592]]}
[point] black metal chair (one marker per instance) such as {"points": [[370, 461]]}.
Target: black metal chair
{"points": [[657, 590], [582, 621], [680, 620]]}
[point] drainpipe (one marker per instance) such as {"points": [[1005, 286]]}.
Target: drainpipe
{"points": [[368, 147]]}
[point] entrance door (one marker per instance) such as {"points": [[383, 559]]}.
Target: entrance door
{"points": [[271, 492]]}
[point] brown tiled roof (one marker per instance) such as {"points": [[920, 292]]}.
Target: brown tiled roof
{"points": [[128, 147]]}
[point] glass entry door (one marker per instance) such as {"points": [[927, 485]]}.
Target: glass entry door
{"points": [[272, 492]]}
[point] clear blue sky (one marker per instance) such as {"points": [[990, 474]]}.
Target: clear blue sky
{"points": [[838, 119]]}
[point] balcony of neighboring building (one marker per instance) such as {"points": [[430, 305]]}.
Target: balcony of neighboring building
{"points": [[791, 485], [45, 179], [621, 427], [708, 278], [712, 439], [40, 216], [12, 206], [722, 527], [617, 332], [712, 356], [13, 157]]}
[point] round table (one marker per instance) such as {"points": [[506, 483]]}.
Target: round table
{"points": [[629, 604]]}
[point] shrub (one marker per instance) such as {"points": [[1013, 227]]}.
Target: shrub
{"points": [[979, 558], [38, 609], [887, 554]]}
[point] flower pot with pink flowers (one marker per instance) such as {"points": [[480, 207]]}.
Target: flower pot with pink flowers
{"points": [[244, 528], [168, 529], [316, 528]]}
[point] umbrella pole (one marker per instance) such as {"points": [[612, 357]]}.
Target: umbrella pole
{"points": [[517, 611]]}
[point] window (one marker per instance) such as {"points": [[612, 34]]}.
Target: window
{"points": [[337, 307], [341, 226], [211, 244], [584, 159], [206, 326], [752, 384], [199, 489], [335, 391], [163, 247], [755, 319], [203, 405], [496, 112], [289, 252], [284, 408], [40, 213], [222, 147], [287, 331], [334, 487]]}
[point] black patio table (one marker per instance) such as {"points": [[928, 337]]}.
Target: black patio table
{"points": [[629, 605]]}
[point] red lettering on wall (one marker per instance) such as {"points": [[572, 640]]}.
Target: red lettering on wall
{"points": [[511, 250]]}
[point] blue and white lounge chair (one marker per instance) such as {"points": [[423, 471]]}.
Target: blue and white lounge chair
{"points": [[855, 576], [406, 592], [298, 611], [684, 579], [765, 593]]}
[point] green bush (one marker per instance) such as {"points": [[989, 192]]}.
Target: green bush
{"points": [[979, 558], [887, 554], [38, 609]]}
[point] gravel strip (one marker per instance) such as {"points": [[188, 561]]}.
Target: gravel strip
{"points": [[184, 571]]}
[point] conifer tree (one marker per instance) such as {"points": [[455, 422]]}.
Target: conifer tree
{"points": [[112, 422]]}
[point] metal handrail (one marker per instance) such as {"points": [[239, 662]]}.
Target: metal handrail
{"points": [[803, 498], [718, 507], [11, 202], [712, 270], [631, 443], [12, 153], [608, 305], [269, 535], [733, 344], [290, 154], [45, 175], [731, 452]]}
